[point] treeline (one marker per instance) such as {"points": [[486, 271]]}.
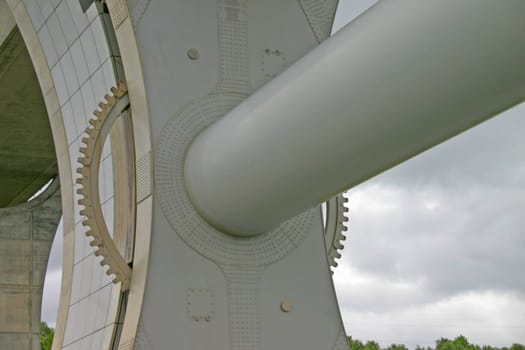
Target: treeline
{"points": [[460, 343]]}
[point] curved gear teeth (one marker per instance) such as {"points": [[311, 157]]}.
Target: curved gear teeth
{"points": [[90, 132], [111, 99], [335, 227], [87, 222], [95, 135], [94, 122], [120, 90], [95, 243], [84, 160]]}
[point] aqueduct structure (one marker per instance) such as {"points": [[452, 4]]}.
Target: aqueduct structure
{"points": [[194, 143]]}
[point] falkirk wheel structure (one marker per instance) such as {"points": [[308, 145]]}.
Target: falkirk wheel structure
{"points": [[196, 142]]}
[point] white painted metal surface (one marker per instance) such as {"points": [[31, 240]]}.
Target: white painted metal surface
{"points": [[206, 289], [403, 77]]}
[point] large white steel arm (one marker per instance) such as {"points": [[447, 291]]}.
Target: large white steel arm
{"points": [[403, 77]]}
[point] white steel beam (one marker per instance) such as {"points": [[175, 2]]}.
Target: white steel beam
{"points": [[403, 77]]}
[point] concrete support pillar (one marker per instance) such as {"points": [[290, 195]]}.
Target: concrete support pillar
{"points": [[26, 236]]}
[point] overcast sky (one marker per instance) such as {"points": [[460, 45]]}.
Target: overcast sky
{"points": [[436, 245]]}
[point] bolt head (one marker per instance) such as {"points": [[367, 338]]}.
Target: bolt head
{"points": [[286, 306], [193, 54]]}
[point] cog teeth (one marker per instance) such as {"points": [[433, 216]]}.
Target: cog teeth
{"points": [[82, 171], [84, 161], [111, 99], [95, 242], [120, 90], [335, 235], [94, 123], [90, 131], [101, 240]]}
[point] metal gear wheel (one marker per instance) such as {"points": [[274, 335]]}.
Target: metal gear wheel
{"points": [[335, 228], [90, 159]]}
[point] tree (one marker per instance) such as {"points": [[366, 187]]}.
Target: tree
{"points": [[372, 345], [355, 344], [397, 347], [46, 336], [517, 347]]}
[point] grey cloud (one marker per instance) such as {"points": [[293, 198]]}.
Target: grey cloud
{"points": [[450, 218]]}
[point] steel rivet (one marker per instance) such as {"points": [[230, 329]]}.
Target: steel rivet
{"points": [[286, 306], [193, 54]]}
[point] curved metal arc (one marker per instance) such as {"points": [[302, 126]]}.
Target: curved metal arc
{"points": [[90, 163]]}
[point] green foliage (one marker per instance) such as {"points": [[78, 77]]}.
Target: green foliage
{"points": [[397, 347], [358, 345], [459, 343], [46, 336]]}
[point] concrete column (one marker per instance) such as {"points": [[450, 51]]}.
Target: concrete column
{"points": [[26, 236]]}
